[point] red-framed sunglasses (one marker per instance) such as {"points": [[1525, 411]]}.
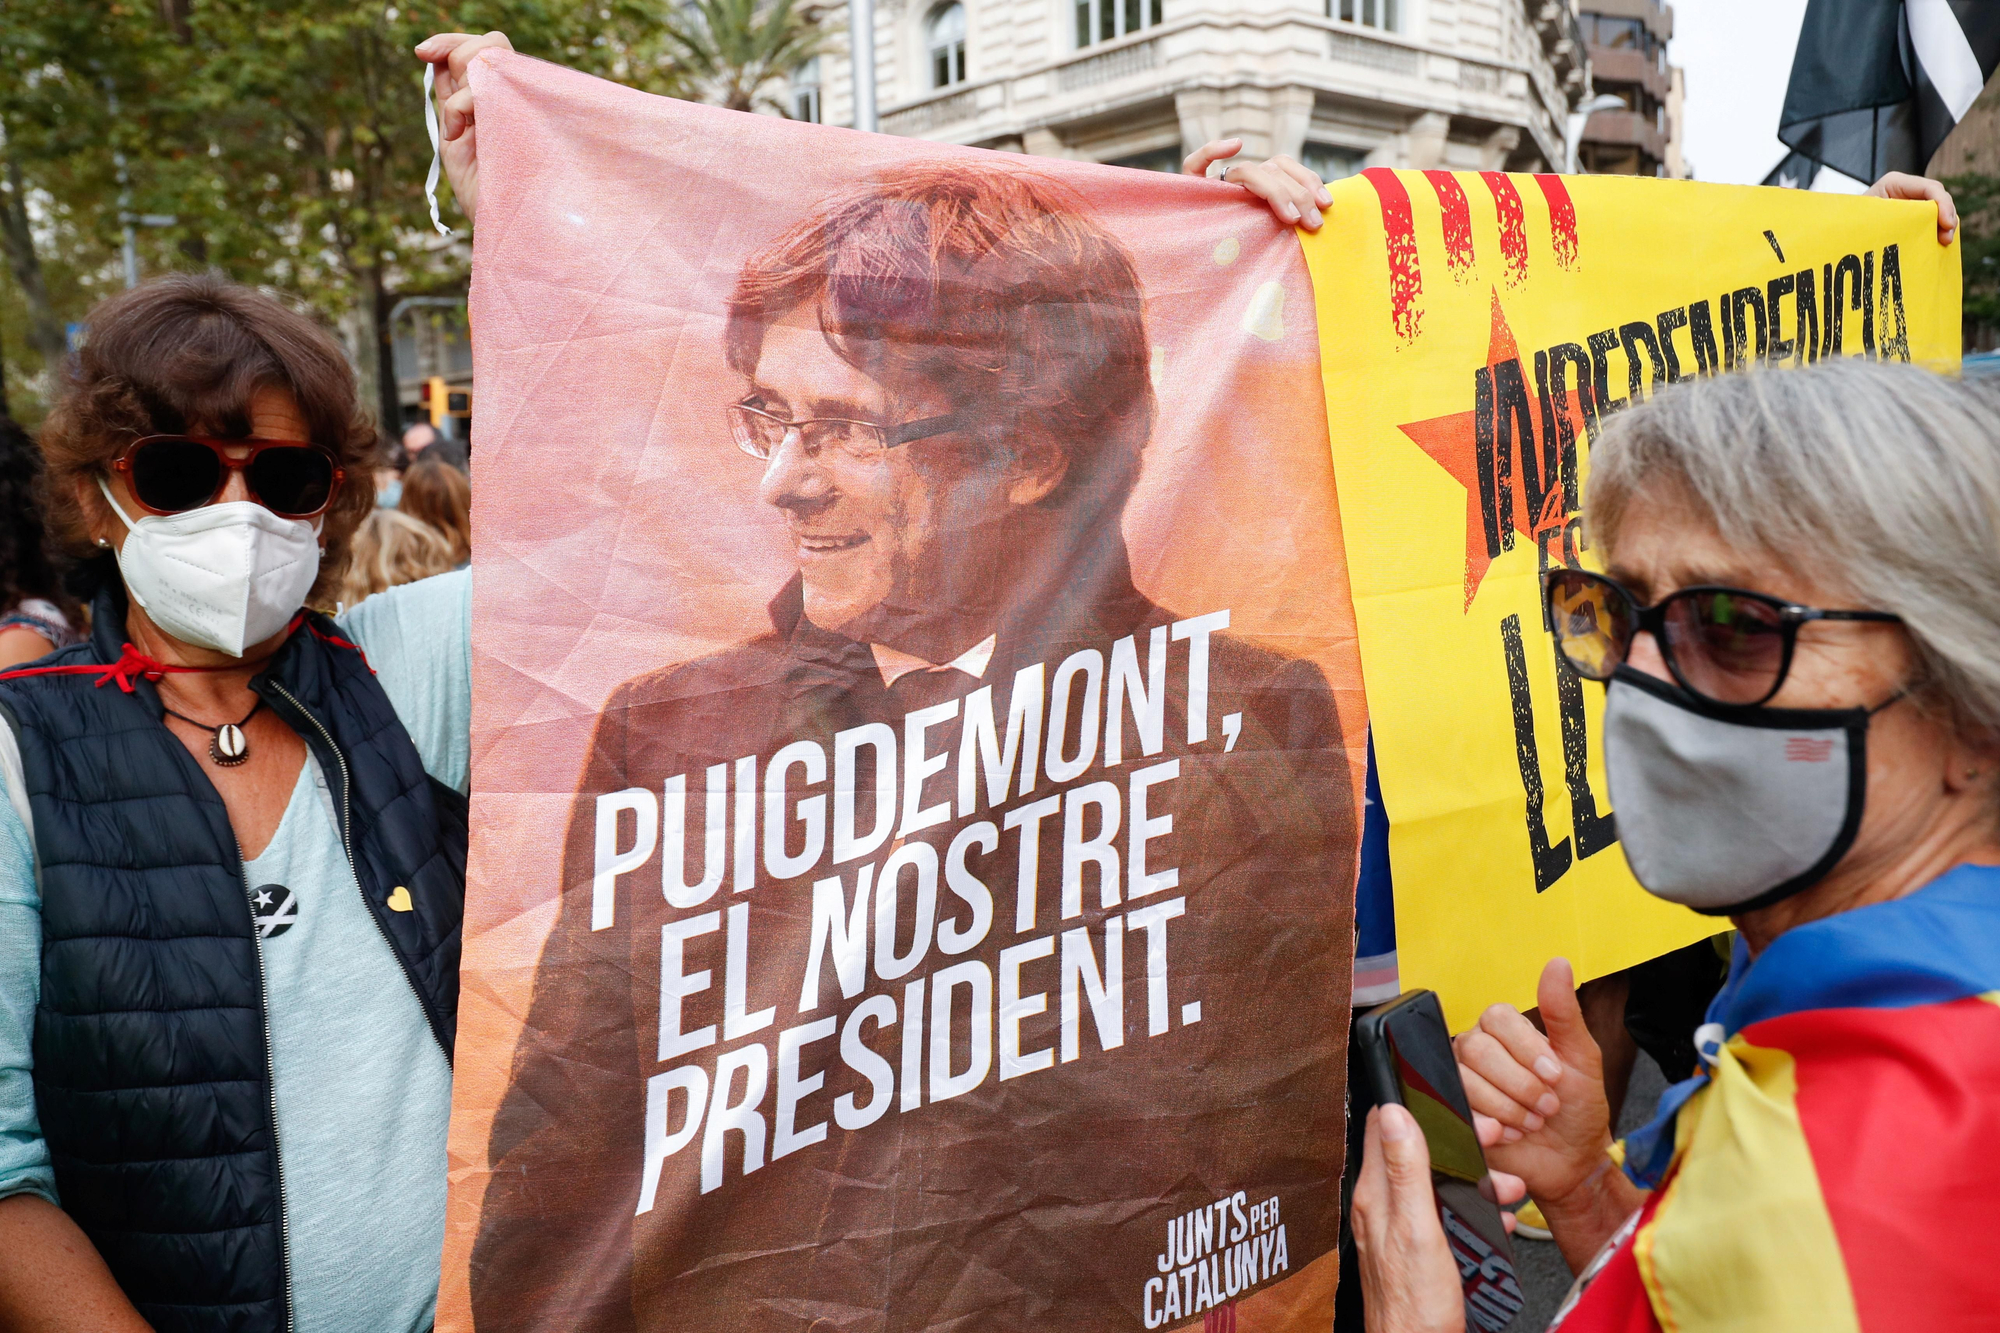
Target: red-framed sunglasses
{"points": [[171, 474]]}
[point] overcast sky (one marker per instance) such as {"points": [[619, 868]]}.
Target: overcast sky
{"points": [[1738, 57]]}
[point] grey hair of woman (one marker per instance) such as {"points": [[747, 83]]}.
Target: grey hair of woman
{"points": [[1880, 481]]}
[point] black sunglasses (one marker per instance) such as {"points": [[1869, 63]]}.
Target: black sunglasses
{"points": [[1727, 646], [171, 474]]}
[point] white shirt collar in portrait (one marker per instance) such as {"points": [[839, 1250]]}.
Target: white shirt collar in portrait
{"points": [[895, 665]]}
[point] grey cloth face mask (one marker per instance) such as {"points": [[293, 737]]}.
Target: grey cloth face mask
{"points": [[1730, 809]]}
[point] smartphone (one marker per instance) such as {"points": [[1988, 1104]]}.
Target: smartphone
{"points": [[1403, 1052]]}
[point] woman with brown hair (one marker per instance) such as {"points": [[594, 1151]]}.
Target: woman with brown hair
{"points": [[232, 854], [437, 493]]}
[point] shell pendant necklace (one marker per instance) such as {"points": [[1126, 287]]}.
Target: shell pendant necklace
{"points": [[227, 745]]}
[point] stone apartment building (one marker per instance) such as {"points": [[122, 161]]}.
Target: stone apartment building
{"points": [[1627, 40], [1340, 84]]}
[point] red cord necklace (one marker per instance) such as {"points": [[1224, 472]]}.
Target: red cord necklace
{"points": [[134, 665]]}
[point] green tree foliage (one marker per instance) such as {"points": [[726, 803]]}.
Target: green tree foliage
{"points": [[734, 51], [284, 138], [60, 146], [1978, 199]]}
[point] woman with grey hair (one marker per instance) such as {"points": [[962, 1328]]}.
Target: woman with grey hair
{"points": [[1799, 636]]}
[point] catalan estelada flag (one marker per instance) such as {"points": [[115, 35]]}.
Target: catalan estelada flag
{"points": [[1833, 1169]]}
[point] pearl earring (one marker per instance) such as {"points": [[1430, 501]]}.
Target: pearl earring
{"points": [[102, 542]]}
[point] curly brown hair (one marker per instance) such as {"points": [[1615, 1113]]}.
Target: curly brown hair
{"points": [[187, 352]]}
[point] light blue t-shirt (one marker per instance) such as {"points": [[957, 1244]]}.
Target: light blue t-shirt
{"points": [[363, 1089]]}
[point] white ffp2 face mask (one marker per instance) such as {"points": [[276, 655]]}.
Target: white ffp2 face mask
{"points": [[1726, 810], [223, 576]]}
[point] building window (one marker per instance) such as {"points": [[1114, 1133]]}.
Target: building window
{"points": [[805, 91], [944, 36], [1331, 162], [1102, 20], [1159, 159], [1368, 13], [1618, 33]]}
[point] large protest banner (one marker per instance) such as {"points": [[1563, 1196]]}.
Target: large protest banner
{"points": [[1478, 329], [917, 743]]}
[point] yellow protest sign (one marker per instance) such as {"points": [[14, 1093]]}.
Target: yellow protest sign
{"points": [[1475, 331]]}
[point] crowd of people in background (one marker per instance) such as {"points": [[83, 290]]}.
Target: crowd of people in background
{"points": [[421, 526]]}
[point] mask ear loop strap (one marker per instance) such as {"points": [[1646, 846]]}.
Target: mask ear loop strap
{"points": [[116, 508], [437, 148]]}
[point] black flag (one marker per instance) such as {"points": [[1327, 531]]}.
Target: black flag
{"points": [[1796, 172], [1878, 84]]}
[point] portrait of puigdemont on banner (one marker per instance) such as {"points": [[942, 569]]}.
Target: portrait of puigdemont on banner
{"points": [[966, 945]]}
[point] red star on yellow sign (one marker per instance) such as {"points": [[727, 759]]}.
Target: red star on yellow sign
{"points": [[1452, 443]]}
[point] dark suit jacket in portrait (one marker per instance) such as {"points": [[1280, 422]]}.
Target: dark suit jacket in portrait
{"points": [[1035, 1202]]}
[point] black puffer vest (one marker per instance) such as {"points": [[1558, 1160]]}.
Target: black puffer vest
{"points": [[152, 1054]]}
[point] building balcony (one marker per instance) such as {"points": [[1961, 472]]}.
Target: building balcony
{"points": [[1561, 36], [1165, 85], [1626, 129], [1619, 64]]}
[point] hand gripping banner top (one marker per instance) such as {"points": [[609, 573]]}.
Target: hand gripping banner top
{"points": [[918, 740], [1479, 329]]}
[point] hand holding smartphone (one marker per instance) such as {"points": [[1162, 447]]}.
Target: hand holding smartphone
{"points": [[1403, 1052]]}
